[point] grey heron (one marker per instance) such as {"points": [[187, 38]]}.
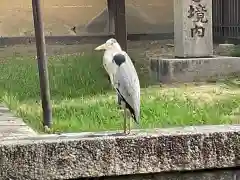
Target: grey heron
{"points": [[124, 79]]}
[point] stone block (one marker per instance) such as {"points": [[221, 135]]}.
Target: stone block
{"points": [[72, 156], [193, 28], [225, 49], [167, 70]]}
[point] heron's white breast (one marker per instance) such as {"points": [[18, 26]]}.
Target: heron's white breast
{"points": [[108, 64]]}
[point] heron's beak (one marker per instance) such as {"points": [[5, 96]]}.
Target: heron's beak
{"points": [[101, 47]]}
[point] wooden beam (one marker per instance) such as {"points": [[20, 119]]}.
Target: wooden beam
{"points": [[111, 15], [120, 23]]}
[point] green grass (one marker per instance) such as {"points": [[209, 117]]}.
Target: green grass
{"points": [[82, 99]]}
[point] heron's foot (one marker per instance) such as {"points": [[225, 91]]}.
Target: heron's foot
{"points": [[47, 130], [126, 132], [127, 129]]}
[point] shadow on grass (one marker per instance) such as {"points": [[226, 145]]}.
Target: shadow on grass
{"points": [[70, 76]]}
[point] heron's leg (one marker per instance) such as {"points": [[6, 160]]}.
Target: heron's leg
{"points": [[129, 124], [128, 121], [125, 117], [119, 99], [125, 120]]}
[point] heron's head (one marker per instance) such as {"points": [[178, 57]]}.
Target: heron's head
{"points": [[110, 44]]}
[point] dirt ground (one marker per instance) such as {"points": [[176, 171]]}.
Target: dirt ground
{"points": [[135, 48]]}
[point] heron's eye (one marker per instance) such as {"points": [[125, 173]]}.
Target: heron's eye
{"points": [[113, 41]]}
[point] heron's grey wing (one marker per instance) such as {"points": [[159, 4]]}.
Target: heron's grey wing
{"points": [[128, 59], [127, 83], [132, 72]]}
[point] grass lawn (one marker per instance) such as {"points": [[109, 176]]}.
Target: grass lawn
{"points": [[82, 99]]}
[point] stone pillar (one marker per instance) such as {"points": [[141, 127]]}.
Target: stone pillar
{"points": [[193, 28]]}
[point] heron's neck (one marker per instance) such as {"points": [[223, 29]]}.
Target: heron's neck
{"points": [[117, 47], [113, 51]]}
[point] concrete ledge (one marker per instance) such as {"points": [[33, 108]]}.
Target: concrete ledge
{"points": [[167, 69], [69, 156]]}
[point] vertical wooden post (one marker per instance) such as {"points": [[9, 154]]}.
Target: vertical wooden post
{"points": [[120, 23], [111, 15], [42, 63]]}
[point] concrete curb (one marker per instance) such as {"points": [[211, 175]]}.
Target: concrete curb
{"points": [[11, 126], [69, 156]]}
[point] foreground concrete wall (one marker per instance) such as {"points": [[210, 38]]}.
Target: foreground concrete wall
{"points": [[149, 151], [61, 15]]}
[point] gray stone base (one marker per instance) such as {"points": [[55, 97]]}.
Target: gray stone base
{"points": [[167, 69], [69, 156]]}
